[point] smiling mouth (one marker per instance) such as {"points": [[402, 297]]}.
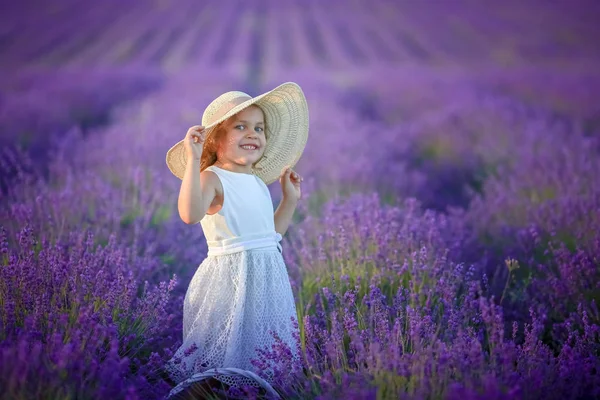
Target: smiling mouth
{"points": [[249, 147]]}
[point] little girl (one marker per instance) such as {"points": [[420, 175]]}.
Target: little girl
{"points": [[241, 290]]}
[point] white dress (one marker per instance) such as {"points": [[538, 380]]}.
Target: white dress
{"points": [[238, 293]]}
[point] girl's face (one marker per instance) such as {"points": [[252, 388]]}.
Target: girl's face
{"points": [[244, 141]]}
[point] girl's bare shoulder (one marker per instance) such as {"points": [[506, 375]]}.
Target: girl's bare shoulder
{"points": [[213, 189], [210, 180]]}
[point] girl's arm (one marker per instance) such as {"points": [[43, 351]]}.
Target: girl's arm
{"points": [[284, 214], [290, 188], [198, 190]]}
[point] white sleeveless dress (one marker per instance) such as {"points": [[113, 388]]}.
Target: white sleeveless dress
{"points": [[238, 293]]}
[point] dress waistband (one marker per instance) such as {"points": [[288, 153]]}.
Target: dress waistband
{"points": [[241, 243]]}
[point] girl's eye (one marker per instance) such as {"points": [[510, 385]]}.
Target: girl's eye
{"points": [[258, 127]]}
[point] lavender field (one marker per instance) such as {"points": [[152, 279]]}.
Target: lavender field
{"points": [[447, 245]]}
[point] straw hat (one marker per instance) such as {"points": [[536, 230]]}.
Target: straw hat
{"points": [[286, 122]]}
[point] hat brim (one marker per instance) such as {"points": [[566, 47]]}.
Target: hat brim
{"points": [[286, 120]]}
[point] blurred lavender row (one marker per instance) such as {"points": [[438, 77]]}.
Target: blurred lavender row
{"points": [[37, 107], [447, 243]]}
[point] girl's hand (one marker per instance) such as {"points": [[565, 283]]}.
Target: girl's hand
{"points": [[290, 184], [194, 142]]}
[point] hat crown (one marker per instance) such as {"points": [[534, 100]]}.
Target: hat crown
{"points": [[222, 105]]}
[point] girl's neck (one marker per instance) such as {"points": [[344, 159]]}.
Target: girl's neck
{"points": [[232, 167]]}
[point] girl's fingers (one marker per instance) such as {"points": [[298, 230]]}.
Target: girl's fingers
{"points": [[294, 176], [200, 135], [196, 129], [297, 176]]}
